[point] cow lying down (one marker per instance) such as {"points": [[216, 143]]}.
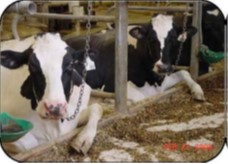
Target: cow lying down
{"points": [[43, 73], [48, 73], [147, 44]]}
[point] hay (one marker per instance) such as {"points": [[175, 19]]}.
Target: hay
{"points": [[150, 145]]}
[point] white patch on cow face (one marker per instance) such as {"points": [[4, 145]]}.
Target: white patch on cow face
{"points": [[50, 51], [131, 40], [162, 24], [213, 12]]}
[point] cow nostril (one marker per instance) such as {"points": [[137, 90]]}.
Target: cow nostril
{"points": [[46, 114], [50, 107], [59, 105], [159, 66], [55, 109]]}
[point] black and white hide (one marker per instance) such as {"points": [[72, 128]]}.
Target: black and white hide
{"points": [[146, 44], [41, 81], [213, 23]]}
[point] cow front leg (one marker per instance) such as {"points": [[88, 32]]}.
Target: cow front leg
{"points": [[183, 75], [85, 138]]}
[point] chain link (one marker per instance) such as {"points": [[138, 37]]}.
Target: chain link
{"points": [[184, 29], [88, 38], [86, 55]]}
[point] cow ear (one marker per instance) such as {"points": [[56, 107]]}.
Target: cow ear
{"points": [[13, 59], [137, 32], [27, 91], [191, 31]]}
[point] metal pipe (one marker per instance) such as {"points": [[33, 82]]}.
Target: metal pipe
{"points": [[150, 8], [74, 17], [15, 21], [121, 57], [155, 8], [226, 75], [196, 39], [24, 7], [161, 8]]}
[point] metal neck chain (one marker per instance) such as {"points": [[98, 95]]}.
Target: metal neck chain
{"points": [[86, 55], [184, 29]]}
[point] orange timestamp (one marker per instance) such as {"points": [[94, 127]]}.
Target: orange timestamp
{"points": [[186, 147]]}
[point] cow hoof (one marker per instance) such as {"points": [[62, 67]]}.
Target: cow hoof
{"points": [[83, 141], [199, 97], [198, 93]]}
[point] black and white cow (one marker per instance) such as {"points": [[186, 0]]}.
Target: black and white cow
{"points": [[146, 44], [213, 27], [213, 37], [51, 83]]}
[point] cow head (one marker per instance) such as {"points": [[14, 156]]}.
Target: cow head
{"points": [[54, 68], [169, 35], [213, 27], [164, 39]]}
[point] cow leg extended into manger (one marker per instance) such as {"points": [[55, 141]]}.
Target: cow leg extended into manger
{"points": [[184, 76], [84, 139]]}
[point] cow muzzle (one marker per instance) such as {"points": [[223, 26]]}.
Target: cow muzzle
{"points": [[55, 110]]}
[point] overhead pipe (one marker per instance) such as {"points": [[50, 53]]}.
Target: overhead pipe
{"points": [[14, 23], [75, 17], [24, 7]]}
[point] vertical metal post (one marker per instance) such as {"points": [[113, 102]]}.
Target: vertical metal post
{"points": [[76, 10], [226, 77], [121, 57], [196, 39]]}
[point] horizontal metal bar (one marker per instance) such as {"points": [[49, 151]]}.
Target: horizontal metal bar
{"points": [[73, 17], [161, 8]]}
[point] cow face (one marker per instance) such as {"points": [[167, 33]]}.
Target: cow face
{"points": [[169, 36], [161, 38], [51, 65], [213, 27]]}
